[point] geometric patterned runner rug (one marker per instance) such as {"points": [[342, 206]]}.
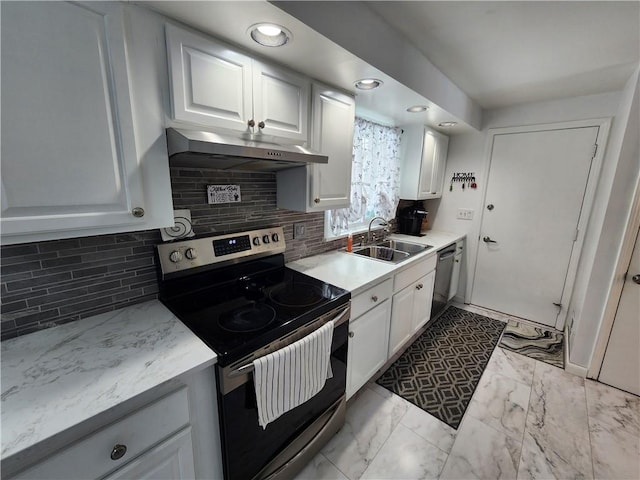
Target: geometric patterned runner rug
{"points": [[440, 370]]}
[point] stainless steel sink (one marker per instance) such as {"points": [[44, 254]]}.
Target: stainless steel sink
{"points": [[382, 253], [391, 251], [411, 248]]}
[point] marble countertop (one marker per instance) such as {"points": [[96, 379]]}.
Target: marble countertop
{"points": [[356, 273], [57, 378]]}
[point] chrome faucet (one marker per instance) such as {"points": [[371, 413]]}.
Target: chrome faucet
{"points": [[383, 224]]}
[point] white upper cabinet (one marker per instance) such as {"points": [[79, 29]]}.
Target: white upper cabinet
{"points": [[214, 86], [280, 102], [69, 158], [323, 186], [210, 84], [424, 157]]}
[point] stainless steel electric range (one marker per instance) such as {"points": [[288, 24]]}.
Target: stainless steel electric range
{"points": [[236, 294]]}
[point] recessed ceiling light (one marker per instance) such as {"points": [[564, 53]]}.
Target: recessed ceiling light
{"points": [[447, 124], [417, 109], [368, 83], [270, 34]]}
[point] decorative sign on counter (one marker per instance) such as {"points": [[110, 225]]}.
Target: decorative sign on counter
{"points": [[223, 193]]}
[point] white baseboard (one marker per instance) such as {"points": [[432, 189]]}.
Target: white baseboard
{"points": [[569, 367]]}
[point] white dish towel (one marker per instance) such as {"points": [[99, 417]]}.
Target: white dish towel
{"points": [[292, 375]]}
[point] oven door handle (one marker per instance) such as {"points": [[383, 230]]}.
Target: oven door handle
{"points": [[339, 319]]}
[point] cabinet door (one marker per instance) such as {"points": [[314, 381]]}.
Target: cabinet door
{"points": [[439, 164], [210, 84], [423, 296], [427, 177], [455, 275], [68, 150], [368, 342], [401, 318], [173, 459], [321, 187], [332, 135], [281, 100]]}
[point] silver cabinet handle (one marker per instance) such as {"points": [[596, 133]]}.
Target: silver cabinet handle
{"points": [[251, 123], [261, 125], [636, 279], [137, 212], [488, 240], [374, 298], [118, 451], [419, 286], [351, 334]]}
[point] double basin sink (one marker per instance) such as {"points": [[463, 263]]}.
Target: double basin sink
{"points": [[391, 251]]}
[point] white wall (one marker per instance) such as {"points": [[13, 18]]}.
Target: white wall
{"points": [[607, 225], [468, 153]]}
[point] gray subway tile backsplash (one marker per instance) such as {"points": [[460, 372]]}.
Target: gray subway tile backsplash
{"points": [[50, 283]]}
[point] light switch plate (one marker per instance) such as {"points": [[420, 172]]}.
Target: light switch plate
{"points": [[465, 214]]}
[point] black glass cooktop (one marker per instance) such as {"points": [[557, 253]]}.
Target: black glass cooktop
{"points": [[239, 309]]}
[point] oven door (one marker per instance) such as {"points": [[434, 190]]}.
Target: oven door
{"points": [[283, 448]]}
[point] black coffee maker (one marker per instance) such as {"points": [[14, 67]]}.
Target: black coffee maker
{"points": [[410, 219]]}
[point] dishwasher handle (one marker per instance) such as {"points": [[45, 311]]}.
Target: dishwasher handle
{"points": [[445, 255]]}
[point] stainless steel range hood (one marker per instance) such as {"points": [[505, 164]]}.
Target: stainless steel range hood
{"points": [[200, 149]]}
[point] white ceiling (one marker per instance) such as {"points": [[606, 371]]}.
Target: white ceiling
{"points": [[498, 53], [502, 53]]}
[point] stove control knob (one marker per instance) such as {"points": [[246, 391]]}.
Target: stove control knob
{"points": [[265, 239], [191, 254], [275, 237], [175, 256], [256, 241]]}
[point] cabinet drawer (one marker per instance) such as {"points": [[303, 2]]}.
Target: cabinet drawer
{"points": [[370, 298], [413, 273], [90, 457]]}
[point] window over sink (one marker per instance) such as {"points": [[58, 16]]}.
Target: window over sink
{"points": [[375, 179]]}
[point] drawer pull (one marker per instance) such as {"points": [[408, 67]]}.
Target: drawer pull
{"points": [[374, 298], [351, 334], [118, 452], [419, 286]]}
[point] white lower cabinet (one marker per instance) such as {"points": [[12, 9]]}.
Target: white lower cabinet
{"points": [[457, 264], [411, 302], [368, 334], [130, 438], [173, 459], [175, 436], [368, 340]]}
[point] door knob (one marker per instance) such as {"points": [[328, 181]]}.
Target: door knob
{"points": [[488, 240], [636, 278]]}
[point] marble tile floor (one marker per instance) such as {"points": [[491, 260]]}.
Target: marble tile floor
{"points": [[527, 419]]}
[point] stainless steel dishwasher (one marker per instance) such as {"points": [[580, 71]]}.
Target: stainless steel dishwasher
{"points": [[444, 269]]}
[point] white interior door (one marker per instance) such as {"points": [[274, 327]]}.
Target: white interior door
{"points": [[535, 191], [621, 365]]}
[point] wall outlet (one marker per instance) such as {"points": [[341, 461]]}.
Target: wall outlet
{"points": [[298, 230], [465, 214]]}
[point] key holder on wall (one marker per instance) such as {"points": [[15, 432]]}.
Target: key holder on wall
{"points": [[466, 179]]}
